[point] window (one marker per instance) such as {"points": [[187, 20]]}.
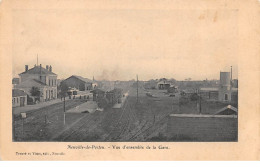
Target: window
{"points": [[226, 96], [49, 82], [52, 82]]}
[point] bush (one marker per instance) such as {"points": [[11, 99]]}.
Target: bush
{"points": [[102, 103], [194, 97]]}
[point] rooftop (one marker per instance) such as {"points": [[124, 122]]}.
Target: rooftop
{"points": [[202, 116], [18, 93], [31, 83], [228, 110], [82, 79], [38, 70]]}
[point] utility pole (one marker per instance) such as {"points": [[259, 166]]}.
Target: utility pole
{"points": [[231, 73], [231, 84], [37, 59], [137, 88], [231, 78]]}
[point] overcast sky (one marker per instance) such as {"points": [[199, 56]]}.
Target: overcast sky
{"points": [[118, 44]]}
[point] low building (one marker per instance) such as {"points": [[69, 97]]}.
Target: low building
{"points": [[19, 98], [207, 128], [78, 82], [164, 85], [209, 93], [217, 94], [226, 91]]}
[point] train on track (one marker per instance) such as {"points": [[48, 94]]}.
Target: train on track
{"points": [[108, 98]]}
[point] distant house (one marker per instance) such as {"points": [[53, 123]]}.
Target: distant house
{"points": [[163, 85], [209, 93], [42, 78], [226, 91], [78, 82], [19, 98]]}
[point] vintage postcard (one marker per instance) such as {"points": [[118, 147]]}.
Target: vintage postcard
{"points": [[129, 80]]}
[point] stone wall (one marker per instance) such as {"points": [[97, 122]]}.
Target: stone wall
{"points": [[184, 127]]}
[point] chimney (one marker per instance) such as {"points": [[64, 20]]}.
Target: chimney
{"points": [[47, 67], [26, 68], [50, 68]]}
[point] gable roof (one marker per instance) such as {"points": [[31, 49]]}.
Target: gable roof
{"points": [[18, 93], [82, 79], [37, 70], [228, 110], [30, 83]]}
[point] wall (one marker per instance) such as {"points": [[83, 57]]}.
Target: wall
{"points": [[202, 128], [16, 101], [75, 83], [48, 93], [52, 80], [224, 87], [24, 77]]}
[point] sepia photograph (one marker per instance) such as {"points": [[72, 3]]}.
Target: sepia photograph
{"points": [[135, 76]]}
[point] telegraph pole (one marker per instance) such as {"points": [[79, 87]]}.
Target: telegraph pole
{"points": [[231, 79], [231, 84]]}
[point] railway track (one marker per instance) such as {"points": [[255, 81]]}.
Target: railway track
{"points": [[117, 130], [149, 128], [78, 127], [36, 119]]}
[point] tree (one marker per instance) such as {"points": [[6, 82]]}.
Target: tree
{"points": [[35, 91], [64, 89]]}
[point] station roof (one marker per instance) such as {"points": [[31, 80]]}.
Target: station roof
{"points": [[82, 78]]}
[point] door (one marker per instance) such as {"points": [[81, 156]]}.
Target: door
{"points": [[22, 100], [226, 96]]}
